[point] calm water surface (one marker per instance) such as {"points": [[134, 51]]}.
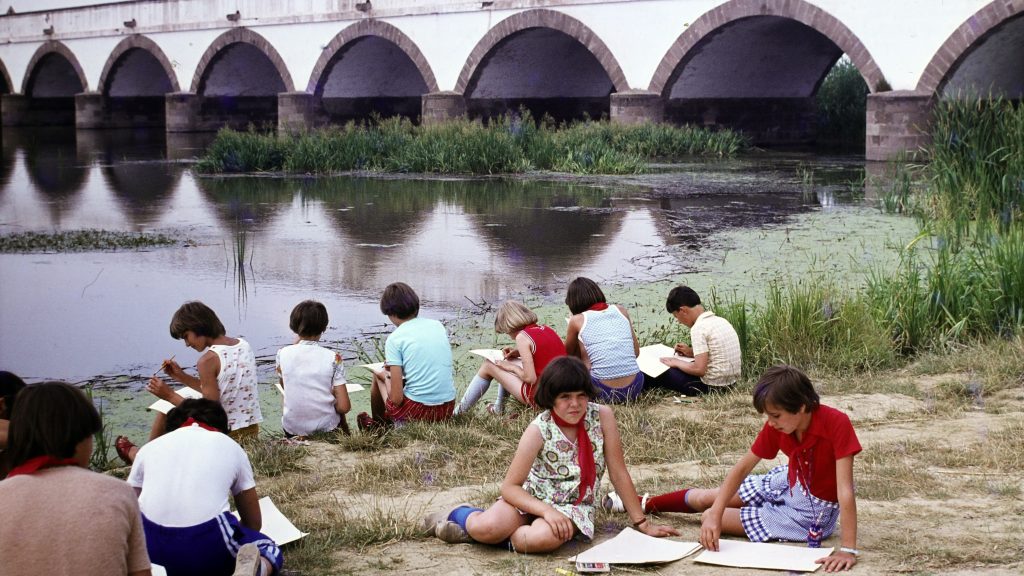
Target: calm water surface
{"points": [[253, 247]]}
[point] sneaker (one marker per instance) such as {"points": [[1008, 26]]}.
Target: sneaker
{"points": [[247, 563], [451, 533], [613, 503], [430, 521], [123, 446]]}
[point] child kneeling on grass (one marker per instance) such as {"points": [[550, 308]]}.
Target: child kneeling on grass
{"points": [[549, 492], [313, 377], [799, 501], [183, 479]]}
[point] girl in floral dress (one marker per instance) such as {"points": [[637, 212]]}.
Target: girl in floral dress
{"points": [[550, 489]]}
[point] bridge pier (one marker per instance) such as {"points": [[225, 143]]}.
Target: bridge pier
{"points": [[182, 111], [299, 111], [897, 122], [14, 110], [636, 107], [440, 106], [89, 111]]}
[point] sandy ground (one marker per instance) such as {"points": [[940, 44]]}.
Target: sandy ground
{"points": [[936, 529]]}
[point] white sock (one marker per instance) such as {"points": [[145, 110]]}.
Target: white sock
{"points": [[499, 404], [476, 390]]}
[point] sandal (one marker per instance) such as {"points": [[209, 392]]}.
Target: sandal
{"points": [[123, 446]]}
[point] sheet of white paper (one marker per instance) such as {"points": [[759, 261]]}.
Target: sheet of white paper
{"points": [[185, 392], [494, 355], [353, 387], [650, 357], [375, 367], [157, 570], [739, 554], [275, 525], [633, 547]]}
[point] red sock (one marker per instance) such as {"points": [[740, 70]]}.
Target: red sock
{"points": [[671, 502]]}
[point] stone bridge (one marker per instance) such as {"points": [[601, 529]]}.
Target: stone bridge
{"points": [[754, 65]]}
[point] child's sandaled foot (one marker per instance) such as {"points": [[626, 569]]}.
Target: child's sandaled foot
{"points": [[493, 410], [123, 446], [451, 533], [430, 521]]}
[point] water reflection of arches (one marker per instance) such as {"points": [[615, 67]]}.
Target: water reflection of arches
{"points": [[143, 189], [53, 167], [246, 202], [238, 80], [984, 56], [371, 67], [53, 78], [134, 80], [757, 67], [544, 60]]}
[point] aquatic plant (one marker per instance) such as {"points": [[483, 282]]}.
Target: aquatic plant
{"points": [[80, 240], [514, 143]]}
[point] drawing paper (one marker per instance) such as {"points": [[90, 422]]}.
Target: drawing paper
{"points": [[185, 392], [275, 525], [634, 547], [650, 357], [742, 554]]}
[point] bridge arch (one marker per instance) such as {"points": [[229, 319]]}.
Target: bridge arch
{"points": [[986, 47], [371, 66], [221, 48], [513, 62], [5, 80], [57, 68], [137, 52]]}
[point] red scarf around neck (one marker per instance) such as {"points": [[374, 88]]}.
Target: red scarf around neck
{"points": [[192, 421], [599, 306], [584, 454], [33, 465]]}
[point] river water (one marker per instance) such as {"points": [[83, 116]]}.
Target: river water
{"points": [[253, 247]]}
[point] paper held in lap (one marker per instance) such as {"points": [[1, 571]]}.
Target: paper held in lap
{"points": [[650, 357], [185, 392], [495, 356], [739, 554], [634, 547]]}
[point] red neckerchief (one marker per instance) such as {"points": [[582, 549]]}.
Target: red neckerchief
{"points": [[33, 465], [192, 421], [584, 454], [599, 306]]}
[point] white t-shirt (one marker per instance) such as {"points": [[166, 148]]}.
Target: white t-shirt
{"points": [[186, 476], [309, 372]]}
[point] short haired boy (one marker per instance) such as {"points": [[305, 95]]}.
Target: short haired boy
{"points": [[715, 350], [798, 501], [416, 383]]}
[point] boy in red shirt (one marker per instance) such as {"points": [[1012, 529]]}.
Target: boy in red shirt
{"points": [[799, 501]]}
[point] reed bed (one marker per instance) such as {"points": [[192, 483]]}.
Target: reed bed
{"points": [[511, 144]]}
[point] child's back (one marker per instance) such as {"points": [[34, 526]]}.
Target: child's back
{"points": [[237, 382], [420, 346], [309, 372]]}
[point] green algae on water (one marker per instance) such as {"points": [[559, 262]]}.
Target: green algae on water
{"points": [[81, 241]]}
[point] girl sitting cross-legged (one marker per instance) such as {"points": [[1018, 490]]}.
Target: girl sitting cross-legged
{"points": [[550, 489]]}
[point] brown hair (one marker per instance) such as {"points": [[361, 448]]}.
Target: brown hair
{"points": [[563, 374], [681, 296], [583, 293], [197, 318], [399, 300], [786, 387], [513, 315], [50, 419], [309, 318]]}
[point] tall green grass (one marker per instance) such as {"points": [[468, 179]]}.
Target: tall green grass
{"points": [[512, 144]]}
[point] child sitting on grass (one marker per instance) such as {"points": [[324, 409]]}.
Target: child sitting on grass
{"points": [[227, 374], [799, 501], [313, 377], [551, 486], [536, 346], [183, 480], [416, 383]]}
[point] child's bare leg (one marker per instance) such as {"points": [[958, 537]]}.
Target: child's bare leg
{"points": [[159, 427], [536, 538], [701, 499], [496, 524], [731, 523], [378, 391], [512, 384]]}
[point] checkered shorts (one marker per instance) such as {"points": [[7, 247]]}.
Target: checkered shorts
{"points": [[774, 511]]}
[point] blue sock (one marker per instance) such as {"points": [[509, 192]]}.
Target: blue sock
{"points": [[460, 514]]}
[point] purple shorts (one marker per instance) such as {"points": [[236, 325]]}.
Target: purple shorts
{"points": [[207, 548], [628, 393]]}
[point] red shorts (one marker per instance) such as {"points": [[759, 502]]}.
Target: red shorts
{"points": [[528, 393], [412, 410]]}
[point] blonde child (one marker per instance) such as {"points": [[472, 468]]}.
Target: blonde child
{"points": [[798, 501], [551, 486], [313, 377], [535, 347], [227, 374]]}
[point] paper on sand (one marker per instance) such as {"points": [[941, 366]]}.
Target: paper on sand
{"points": [[739, 554], [650, 357], [185, 392], [633, 547], [494, 355], [275, 525]]}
